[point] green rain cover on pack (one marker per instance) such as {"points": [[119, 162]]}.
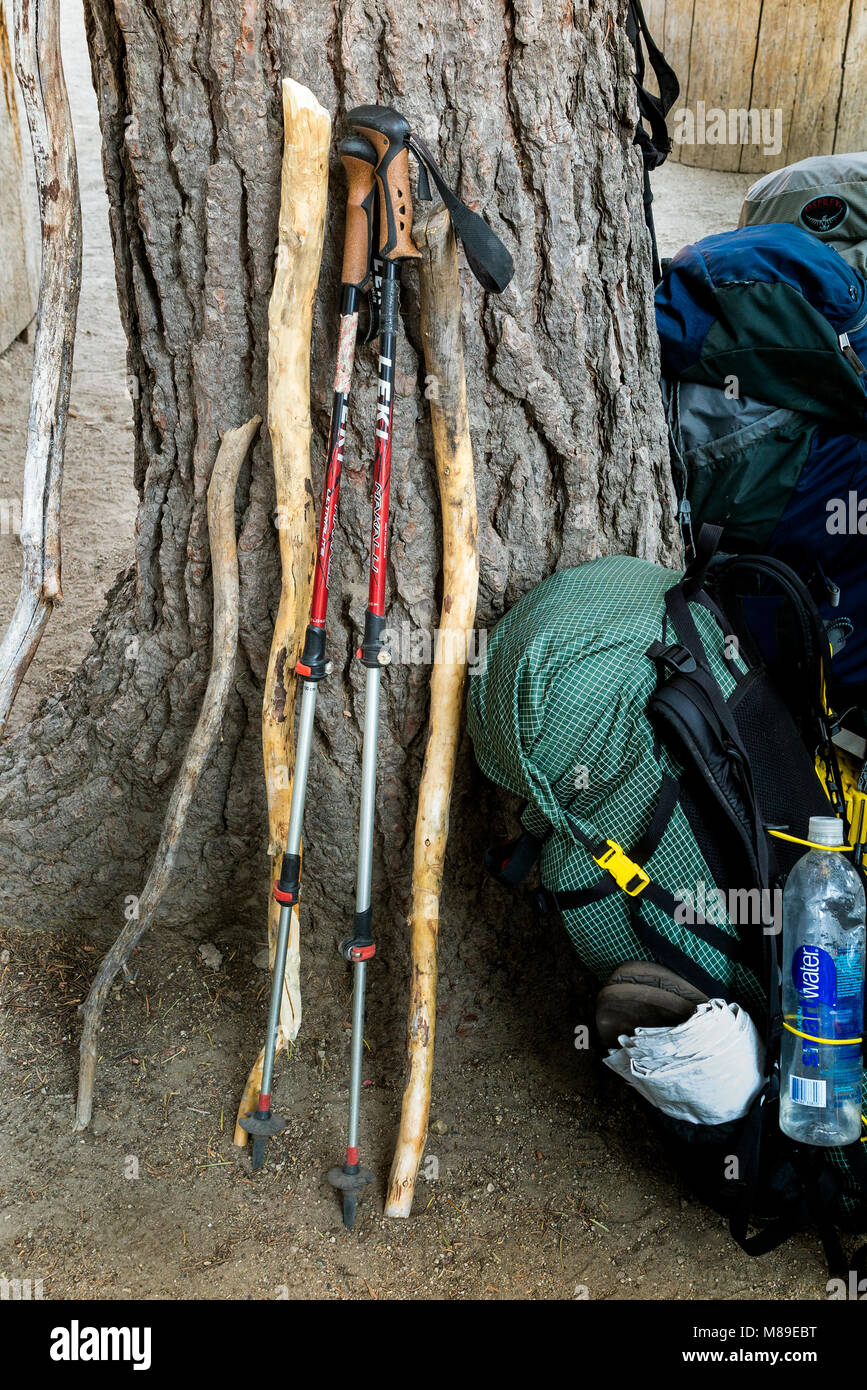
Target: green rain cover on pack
{"points": [[557, 716]]}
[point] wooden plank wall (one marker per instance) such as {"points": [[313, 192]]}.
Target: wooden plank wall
{"points": [[18, 280], [809, 60]]}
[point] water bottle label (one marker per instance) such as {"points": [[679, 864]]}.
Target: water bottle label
{"points": [[814, 976], [808, 1091]]}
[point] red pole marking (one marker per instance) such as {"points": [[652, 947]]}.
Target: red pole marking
{"points": [[319, 602], [352, 1156], [265, 1101]]}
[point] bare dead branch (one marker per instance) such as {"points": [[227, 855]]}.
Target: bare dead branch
{"points": [[40, 76], [224, 568]]}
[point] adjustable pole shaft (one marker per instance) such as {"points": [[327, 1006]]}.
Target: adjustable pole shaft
{"points": [[390, 135], [360, 947], [293, 854], [362, 896]]}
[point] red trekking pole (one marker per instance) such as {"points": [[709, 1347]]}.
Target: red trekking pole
{"points": [[389, 133], [359, 158]]}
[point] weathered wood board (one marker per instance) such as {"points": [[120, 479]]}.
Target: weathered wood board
{"points": [[18, 274], [799, 69]]}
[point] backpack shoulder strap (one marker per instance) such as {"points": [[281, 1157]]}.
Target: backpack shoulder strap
{"points": [[654, 142], [800, 665]]}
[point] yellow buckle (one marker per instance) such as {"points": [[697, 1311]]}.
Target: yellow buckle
{"points": [[626, 874]]}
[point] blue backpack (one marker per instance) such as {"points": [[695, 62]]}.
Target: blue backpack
{"points": [[763, 337]]}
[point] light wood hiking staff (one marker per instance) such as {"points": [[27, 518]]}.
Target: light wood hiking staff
{"points": [[439, 284], [358, 159], [304, 192]]}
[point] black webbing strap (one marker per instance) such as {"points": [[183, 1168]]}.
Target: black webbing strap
{"points": [[729, 946], [487, 257], [748, 1156], [669, 795], [654, 142], [731, 650], [666, 953], [659, 946], [705, 548], [681, 619], [669, 791]]}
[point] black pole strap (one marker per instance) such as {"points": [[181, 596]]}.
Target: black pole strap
{"points": [[488, 258], [653, 108]]}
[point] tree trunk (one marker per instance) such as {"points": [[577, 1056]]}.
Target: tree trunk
{"points": [[531, 107]]}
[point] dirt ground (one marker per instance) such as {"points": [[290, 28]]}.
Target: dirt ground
{"points": [[541, 1181]]}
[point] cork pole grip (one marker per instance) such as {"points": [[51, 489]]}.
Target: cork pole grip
{"points": [[395, 198], [356, 245]]}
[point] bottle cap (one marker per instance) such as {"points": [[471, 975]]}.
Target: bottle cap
{"points": [[825, 830]]}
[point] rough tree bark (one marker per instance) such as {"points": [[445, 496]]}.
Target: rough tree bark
{"points": [[530, 105]]}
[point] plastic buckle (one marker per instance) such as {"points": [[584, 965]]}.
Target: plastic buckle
{"points": [[677, 657], [626, 874]]}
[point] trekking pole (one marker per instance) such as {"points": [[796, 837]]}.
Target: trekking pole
{"points": [[389, 133], [358, 157]]}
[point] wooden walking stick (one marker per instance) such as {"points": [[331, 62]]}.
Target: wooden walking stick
{"points": [[304, 192], [40, 75], [224, 569], [444, 361]]}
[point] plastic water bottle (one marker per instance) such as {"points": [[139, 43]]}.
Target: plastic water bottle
{"points": [[823, 993]]}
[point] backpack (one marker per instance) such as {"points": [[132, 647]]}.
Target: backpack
{"points": [[763, 336], [659, 766], [826, 194]]}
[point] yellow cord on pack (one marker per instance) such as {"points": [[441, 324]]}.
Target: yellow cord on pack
{"points": [[796, 840], [831, 1042]]}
